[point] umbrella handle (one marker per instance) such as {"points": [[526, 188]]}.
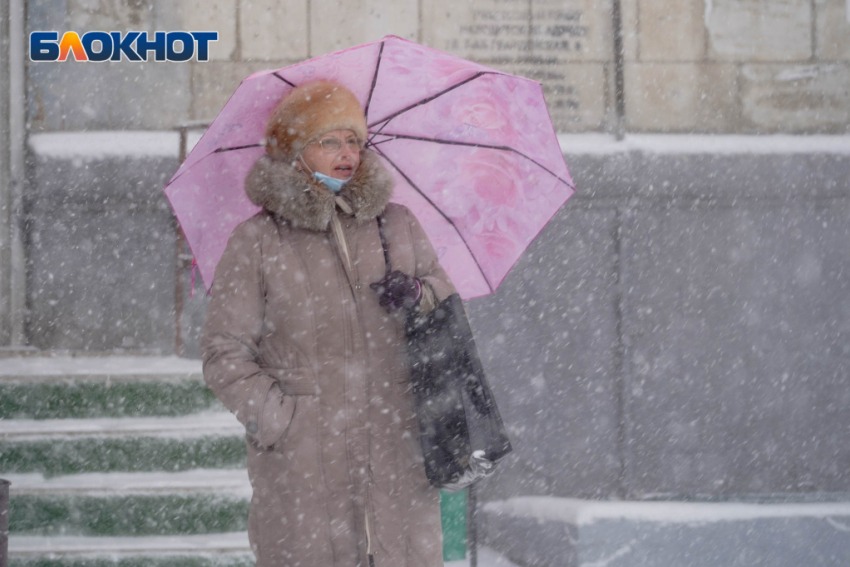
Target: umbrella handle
{"points": [[380, 219], [192, 277]]}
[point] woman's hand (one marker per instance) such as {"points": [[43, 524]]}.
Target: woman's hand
{"points": [[397, 290]]}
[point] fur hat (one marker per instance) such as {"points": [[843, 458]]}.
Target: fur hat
{"points": [[309, 111]]}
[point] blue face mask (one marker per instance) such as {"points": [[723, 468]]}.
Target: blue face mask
{"points": [[331, 183]]}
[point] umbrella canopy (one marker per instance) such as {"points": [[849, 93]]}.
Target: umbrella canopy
{"points": [[473, 151]]}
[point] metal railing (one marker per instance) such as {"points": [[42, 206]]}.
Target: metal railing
{"points": [[182, 256]]}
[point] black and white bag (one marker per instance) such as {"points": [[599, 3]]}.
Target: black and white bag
{"points": [[461, 431]]}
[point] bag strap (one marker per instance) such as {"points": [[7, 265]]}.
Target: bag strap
{"points": [[381, 220]]}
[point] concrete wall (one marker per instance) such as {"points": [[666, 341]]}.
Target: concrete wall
{"points": [[690, 65], [681, 327]]}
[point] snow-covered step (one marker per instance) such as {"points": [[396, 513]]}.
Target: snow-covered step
{"points": [[219, 423], [221, 550], [562, 532], [215, 481], [112, 368], [119, 504], [89, 387], [152, 514], [76, 546], [70, 446]]}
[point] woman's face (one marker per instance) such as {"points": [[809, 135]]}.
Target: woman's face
{"points": [[321, 155]]}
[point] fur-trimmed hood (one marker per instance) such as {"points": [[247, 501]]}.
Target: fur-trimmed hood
{"points": [[306, 203]]}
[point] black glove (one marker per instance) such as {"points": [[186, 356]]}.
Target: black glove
{"points": [[397, 290]]}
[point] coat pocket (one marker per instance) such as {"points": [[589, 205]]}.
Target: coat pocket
{"points": [[294, 381]]}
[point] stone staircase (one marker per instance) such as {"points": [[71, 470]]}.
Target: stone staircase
{"points": [[129, 461]]}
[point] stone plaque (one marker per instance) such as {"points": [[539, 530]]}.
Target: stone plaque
{"points": [[758, 30], [575, 92], [800, 98], [500, 30], [572, 29], [482, 30]]}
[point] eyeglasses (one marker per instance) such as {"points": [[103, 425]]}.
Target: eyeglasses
{"points": [[333, 145]]}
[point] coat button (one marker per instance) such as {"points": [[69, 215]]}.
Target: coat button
{"points": [[357, 286], [251, 427]]}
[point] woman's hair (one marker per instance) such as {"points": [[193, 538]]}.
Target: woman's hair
{"points": [[308, 111]]}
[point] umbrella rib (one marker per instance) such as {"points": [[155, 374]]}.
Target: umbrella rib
{"points": [[372, 144], [436, 208], [374, 80], [219, 150], [284, 80], [432, 97], [487, 146]]}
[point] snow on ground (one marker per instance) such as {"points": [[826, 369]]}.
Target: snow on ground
{"points": [[583, 512], [486, 558], [117, 367], [218, 481], [196, 425], [68, 546], [64, 546]]}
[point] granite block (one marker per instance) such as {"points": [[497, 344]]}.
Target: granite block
{"points": [[337, 24], [548, 340], [273, 30], [681, 97], [101, 256], [737, 321], [796, 98], [752, 30], [111, 96]]}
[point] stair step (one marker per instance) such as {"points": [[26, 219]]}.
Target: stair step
{"points": [[76, 399], [121, 504], [90, 387], [215, 550], [73, 446], [151, 546], [218, 423], [170, 560], [549, 532], [173, 513], [124, 368], [216, 481]]}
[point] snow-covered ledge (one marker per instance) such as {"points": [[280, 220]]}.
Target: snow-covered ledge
{"points": [[110, 143], [549, 532], [717, 144], [100, 144], [585, 512]]}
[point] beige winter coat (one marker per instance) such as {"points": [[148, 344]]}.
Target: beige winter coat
{"points": [[296, 345]]}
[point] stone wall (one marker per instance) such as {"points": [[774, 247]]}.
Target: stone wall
{"points": [[681, 327], [748, 66]]}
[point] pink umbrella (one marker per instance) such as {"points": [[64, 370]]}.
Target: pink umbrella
{"points": [[473, 151]]}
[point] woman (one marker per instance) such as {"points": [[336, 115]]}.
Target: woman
{"points": [[304, 343]]}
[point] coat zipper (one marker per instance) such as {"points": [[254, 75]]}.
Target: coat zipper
{"points": [[344, 253]]}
